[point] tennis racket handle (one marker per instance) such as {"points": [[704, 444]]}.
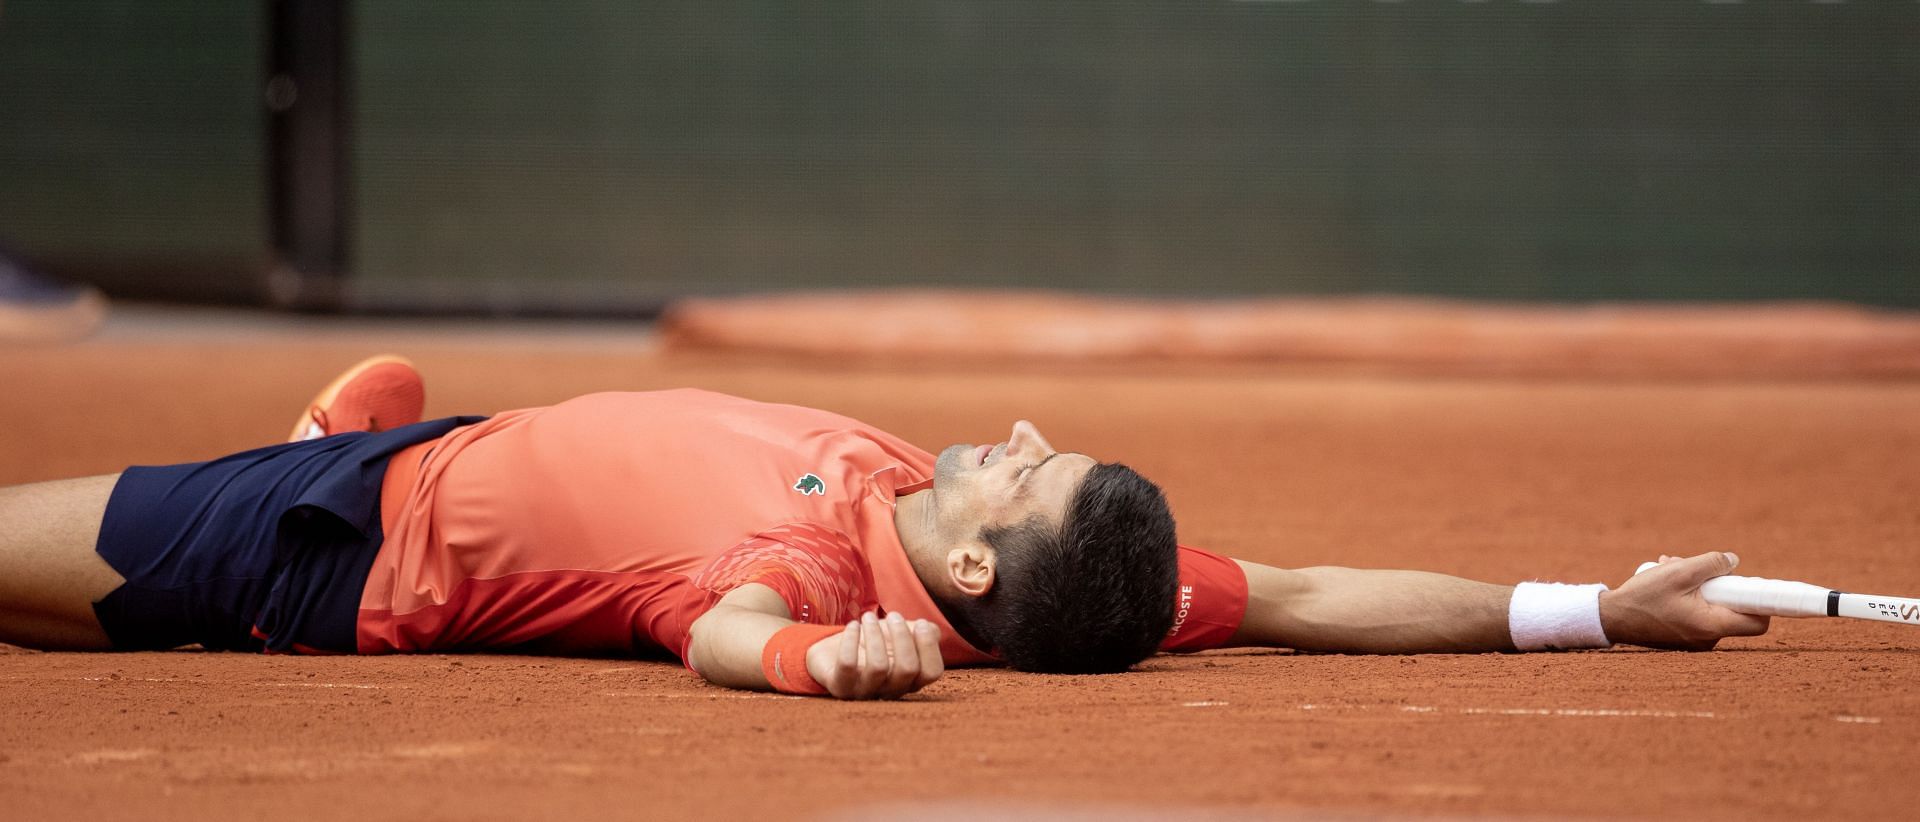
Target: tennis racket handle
{"points": [[1763, 597]]}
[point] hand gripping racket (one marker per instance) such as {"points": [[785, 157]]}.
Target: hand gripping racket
{"points": [[1779, 597]]}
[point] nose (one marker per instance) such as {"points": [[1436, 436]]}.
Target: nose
{"points": [[1027, 442]]}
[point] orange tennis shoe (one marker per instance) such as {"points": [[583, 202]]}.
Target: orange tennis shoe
{"points": [[379, 394]]}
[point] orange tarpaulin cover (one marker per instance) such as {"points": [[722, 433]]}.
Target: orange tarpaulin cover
{"points": [[1665, 340]]}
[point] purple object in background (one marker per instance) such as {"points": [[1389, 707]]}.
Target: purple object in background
{"points": [[35, 307]]}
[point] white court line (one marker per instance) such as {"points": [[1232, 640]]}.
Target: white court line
{"points": [[1631, 712], [1572, 712], [354, 685], [1207, 703]]}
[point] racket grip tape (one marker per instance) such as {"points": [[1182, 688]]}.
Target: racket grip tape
{"points": [[1765, 597]]}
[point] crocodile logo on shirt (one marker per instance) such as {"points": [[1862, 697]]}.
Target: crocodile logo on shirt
{"points": [[810, 484]]}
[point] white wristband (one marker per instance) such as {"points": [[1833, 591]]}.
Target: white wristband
{"points": [[1549, 616]]}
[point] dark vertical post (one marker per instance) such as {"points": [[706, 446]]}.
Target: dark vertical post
{"points": [[306, 97]]}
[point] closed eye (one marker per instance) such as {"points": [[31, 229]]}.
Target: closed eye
{"points": [[1034, 467]]}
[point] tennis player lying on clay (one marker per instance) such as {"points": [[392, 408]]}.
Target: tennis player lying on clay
{"points": [[766, 546]]}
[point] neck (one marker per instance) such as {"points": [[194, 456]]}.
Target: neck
{"points": [[913, 519]]}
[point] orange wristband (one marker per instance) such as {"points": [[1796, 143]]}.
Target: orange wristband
{"points": [[784, 660]]}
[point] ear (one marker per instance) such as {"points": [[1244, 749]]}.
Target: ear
{"points": [[970, 568]]}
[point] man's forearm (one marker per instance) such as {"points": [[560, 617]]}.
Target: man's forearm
{"points": [[1401, 612], [746, 638], [726, 645], [1367, 611]]}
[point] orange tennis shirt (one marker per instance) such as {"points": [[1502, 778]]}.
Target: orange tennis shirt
{"points": [[608, 523]]}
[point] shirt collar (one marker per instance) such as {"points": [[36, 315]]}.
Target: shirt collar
{"points": [[894, 579]]}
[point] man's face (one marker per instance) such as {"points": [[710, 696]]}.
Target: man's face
{"points": [[976, 487]]}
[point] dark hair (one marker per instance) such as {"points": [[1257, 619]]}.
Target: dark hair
{"points": [[1093, 596]]}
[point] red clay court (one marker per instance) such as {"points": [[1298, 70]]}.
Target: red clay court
{"points": [[1570, 477], [1513, 291]]}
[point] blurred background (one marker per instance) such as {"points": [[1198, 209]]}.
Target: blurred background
{"points": [[585, 157]]}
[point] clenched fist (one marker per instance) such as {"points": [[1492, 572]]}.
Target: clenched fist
{"points": [[878, 658]]}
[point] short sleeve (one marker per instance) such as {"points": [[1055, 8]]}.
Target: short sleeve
{"points": [[1210, 603], [818, 571]]}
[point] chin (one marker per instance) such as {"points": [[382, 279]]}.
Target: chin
{"points": [[951, 463]]}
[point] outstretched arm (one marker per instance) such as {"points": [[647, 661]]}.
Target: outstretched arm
{"points": [[869, 659], [1362, 611]]}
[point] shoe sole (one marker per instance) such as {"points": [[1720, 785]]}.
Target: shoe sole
{"points": [[327, 395]]}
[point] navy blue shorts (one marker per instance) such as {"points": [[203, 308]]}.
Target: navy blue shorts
{"points": [[263, 550]]}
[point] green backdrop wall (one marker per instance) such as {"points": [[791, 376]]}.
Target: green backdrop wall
{"points": [[1618, 149], [587, 155], [132, 142]]}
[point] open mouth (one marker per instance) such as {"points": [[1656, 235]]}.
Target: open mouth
{"points": [[986, 452]]}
